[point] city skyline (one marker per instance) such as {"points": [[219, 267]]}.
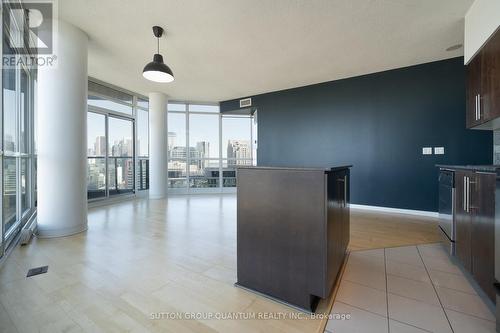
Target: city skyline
{"points": [[204, 152]]}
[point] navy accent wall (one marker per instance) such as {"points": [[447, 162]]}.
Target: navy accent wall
{"points": [[379, 123]]}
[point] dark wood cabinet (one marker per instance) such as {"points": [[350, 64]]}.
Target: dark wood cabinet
{"points": [[483, 231], [475, 226], [483, 87], [463, 219], [292, 231], [489, 103], [338, 220], [473, 116]]}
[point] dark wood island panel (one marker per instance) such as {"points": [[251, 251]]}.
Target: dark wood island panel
{"points": [[292, 231]]}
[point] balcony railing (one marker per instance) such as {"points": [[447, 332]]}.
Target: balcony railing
{"points": [[119, 177], [143, 174]]}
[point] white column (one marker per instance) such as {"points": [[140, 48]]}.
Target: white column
{"points": [[158, 146], [62, 137]]}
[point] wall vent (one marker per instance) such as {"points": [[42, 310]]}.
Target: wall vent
{"points": [[245, 102]]}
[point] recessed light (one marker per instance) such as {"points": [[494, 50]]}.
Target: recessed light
{"points": [[454, 47]]}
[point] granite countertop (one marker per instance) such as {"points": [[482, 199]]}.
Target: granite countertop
{"points": [[292, 168], [480, 168]]}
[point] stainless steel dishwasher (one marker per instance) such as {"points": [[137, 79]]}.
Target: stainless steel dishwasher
{"points": [[447, 208]]}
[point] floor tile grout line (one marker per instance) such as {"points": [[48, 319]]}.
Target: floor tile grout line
{"points": [[447, 272], [457, 290], [365, 285], [387, 295], [435, 290], [396, 246], [406, 263], [408, 278], [413, 299], [359, 308], [470, 315], [408, 324]]}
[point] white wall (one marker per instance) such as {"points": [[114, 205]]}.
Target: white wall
{"points": [[481, 21]]}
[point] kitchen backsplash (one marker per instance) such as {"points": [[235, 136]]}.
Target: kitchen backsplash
{"points": [[496, 147]]}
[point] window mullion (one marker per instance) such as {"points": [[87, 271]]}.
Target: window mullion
{"points": [[188, 152], [221, 180]]}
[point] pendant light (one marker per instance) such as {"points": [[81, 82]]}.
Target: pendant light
{"points": [[156, 70]]}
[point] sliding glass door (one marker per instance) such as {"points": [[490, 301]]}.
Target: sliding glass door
{"points": [[120, 156], [110, 158], [96, 156], [17, 158], [117, 142]]}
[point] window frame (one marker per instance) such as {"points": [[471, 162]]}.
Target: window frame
{"points": [[28, 156], [221, 160], [124, 116]]}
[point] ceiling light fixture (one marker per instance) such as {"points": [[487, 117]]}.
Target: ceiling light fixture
{"points": [[156, 70]]}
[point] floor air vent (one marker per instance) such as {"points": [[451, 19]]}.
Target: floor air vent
{"points": [[37, 270]]}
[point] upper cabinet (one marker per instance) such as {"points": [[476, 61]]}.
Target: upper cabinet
{"points": [[474, 92], [483, 87]]}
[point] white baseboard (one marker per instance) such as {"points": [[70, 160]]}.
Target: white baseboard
{"points": [[396, 210]]}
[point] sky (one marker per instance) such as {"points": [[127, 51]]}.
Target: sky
{"points": [[202, 127]]}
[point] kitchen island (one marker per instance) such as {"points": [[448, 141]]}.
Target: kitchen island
{"points": [[292, 231]]}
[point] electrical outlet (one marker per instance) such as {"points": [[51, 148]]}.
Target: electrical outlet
{"points": [[438, 150], [427, 151]]}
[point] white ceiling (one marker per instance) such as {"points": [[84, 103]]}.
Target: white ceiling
{"points": [[224, 49]]}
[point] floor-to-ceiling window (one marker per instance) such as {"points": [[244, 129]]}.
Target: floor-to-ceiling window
{"points": [[117, 142], [142, 125], [205, 147], [120, 155], [17, 158], [96, 155], [237, 145]]}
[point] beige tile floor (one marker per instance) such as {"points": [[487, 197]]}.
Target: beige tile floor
{"points": [[408, 289]]}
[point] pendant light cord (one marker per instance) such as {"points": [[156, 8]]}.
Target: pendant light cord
{"points": [[158, 46]]}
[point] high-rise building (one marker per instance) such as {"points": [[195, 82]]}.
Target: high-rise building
{"points": [[100, 146], [124, 147], [240, 151], [172, 138], [203, 148], [181, 153], [9, 181]]}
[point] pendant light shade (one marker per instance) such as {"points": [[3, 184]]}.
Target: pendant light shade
{"points": [[156, 70]]}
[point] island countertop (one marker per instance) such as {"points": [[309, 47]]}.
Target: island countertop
{"points": [[480, 168], [339, 167]]}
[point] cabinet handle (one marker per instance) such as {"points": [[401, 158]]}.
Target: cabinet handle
{"points": [[475, 107], [465, 194], [468, 195], [479, 106]]}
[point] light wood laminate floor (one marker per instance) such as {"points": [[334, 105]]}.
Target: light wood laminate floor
{"points": [[375, 230], [143, 259]]}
